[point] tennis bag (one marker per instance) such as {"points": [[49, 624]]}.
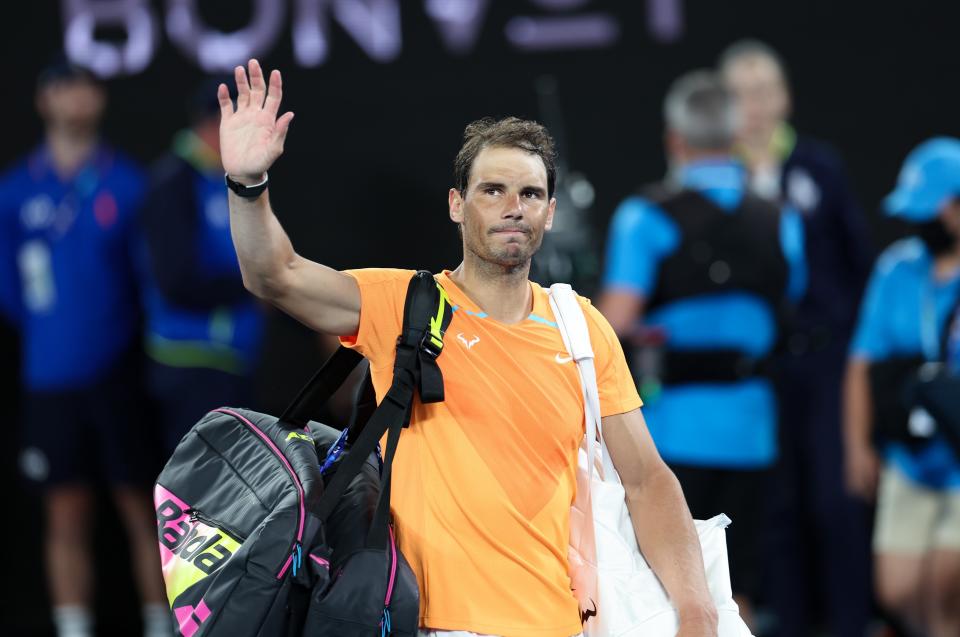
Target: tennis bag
{"points": [[249, 527]]}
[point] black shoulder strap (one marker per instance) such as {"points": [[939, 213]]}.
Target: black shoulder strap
{"points": [[320, 388], [427, 314]]}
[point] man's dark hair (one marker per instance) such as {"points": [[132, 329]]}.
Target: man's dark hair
{"points": [[203, 103], [60, 69], [510, 132]]}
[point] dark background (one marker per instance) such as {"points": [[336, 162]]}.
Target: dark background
{"points": [[364, 177]]}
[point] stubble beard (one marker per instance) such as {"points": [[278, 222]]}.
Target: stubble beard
{"points": [[506, 260]]}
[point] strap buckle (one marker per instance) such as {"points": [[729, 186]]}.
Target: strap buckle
{"points": [[431, 345]]}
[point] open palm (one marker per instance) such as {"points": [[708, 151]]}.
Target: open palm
{"points": [[251, 138]]}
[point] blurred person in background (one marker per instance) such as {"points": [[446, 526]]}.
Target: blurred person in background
{"points": [[68, 285], [204, 329], [916, 479], [697, 269], [807, 484]]}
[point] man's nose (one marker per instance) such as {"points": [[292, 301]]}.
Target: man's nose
{"points": [[512, 207]]}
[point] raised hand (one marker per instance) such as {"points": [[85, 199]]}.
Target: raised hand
{"points": [[251, 138]]}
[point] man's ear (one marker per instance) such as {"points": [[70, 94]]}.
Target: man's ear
{"points": [[455, 202], [551, 208]]}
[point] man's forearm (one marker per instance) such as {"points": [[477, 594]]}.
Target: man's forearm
{"points": [[263, 248], [670, 543], [857, 406]]}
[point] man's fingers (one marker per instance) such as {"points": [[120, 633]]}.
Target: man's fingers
{"points": [[257, 86], [226, 106], [283, 124], [272, 105], [243, 88]]}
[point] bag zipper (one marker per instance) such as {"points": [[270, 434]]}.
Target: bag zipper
{"points": [[198, 516], [385, 622], [393, 569], [295, 558]]}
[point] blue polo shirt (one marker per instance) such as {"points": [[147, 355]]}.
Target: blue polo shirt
{"points": [[728, 425], [903, 313], [66, 266]]}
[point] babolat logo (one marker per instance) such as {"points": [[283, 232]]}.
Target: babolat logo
{"points": [[298, 435], [191, 540], [190, 549]]}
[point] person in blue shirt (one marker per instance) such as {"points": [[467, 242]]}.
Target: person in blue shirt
{"points": [[203, 329], [67, 285], [698, 271], [811, 512], [916, 476]]}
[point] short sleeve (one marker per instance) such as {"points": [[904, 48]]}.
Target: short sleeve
{"points": [[870, 340], [640, 237], [382, 295], [618, 392]]}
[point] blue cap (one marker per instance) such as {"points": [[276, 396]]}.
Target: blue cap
{"points": [[930, 175]]}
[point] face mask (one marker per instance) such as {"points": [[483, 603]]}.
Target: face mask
{"points": [[936, 237]]}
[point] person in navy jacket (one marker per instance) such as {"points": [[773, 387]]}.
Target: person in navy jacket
{"points": [[811, 513], [203, 329], [68, 286]]}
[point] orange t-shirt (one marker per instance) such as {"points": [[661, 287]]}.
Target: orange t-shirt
{"points": [[483, 482]]}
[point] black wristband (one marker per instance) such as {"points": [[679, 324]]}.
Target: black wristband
{"points": [[247, 192]]}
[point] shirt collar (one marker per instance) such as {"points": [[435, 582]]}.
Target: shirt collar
{"points": [[40, 164], [710, 174]]}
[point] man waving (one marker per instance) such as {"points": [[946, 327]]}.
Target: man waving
{"points": [[485, 479]]}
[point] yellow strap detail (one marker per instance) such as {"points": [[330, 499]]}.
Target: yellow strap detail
{"points": [[436, 323]]}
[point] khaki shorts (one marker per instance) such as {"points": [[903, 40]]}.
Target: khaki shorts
{"points": [[914, 519]]}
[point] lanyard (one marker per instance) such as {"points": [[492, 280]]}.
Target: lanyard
{"points": [[929, 338]]}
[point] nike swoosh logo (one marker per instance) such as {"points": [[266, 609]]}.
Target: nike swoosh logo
{"points": [[563, 359]]}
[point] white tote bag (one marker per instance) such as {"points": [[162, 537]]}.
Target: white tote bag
{"points": [[619, 594]]}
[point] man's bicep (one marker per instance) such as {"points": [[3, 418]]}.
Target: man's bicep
{"points": [[632, 450], [320, 297]]}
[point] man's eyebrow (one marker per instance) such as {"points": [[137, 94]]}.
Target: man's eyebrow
{"points": [[484, 185]]}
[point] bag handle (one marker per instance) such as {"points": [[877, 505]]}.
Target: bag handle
{"points": [[576, 338]]}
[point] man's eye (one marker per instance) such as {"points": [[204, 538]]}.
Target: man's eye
{"points": [[531, 194], [492, 191]]}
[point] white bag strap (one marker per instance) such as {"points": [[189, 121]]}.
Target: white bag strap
{"points": [[576, 338]]}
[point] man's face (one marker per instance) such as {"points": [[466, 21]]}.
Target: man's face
{"points": [[505, 209], [76, 104], [761, 93]]}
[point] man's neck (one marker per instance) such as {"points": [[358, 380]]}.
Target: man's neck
{"points": [[758, 152], [768, 149], [504, 293], [705, 156], [946, 266], [69, 150]]}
